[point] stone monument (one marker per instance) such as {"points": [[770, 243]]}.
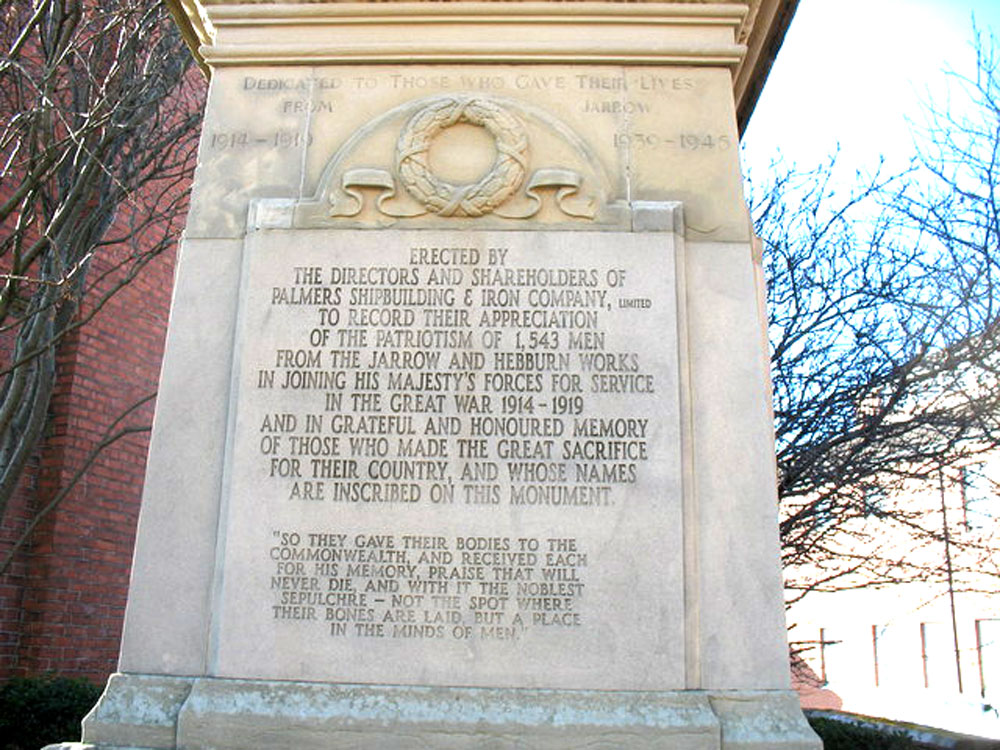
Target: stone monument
{"points": [[463, 438]]}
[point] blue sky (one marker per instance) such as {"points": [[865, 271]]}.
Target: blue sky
{"points": [[852, 71]]}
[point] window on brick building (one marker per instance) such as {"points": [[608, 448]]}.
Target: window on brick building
{"points": [[876, 633], [937, 651], [978, 496], [829, 666], [988, 656]]}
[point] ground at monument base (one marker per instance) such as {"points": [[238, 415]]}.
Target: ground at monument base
{"points": [[163, 713]]}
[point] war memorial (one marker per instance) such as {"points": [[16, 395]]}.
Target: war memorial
{"points": [[463, 437]]}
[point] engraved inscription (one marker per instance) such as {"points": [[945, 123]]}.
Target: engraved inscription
{"points": [[484, 372], [447, 441]]}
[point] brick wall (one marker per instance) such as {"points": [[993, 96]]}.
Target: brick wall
{"points": [[12, 525], [62, 604], [62, 601]]}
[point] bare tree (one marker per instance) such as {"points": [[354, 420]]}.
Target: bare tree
{"points": [[885, 333], [99, 118]]}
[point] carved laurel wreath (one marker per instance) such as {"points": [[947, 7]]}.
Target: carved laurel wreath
{"points": [[473, 199]]}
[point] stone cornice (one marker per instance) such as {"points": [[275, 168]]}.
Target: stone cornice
{"points": [[768, 21]]}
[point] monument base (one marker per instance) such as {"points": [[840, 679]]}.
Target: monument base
{"points": [[162, 713]]}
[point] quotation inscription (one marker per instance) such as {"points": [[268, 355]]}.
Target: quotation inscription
{"points": [[426, 587]]}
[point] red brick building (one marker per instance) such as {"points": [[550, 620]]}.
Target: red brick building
{"points": [[63, 600]]}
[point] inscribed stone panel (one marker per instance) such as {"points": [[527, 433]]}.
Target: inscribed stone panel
{"points": [[455, 459]]}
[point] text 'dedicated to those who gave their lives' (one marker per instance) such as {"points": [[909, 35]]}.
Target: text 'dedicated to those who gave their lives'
{"points": [[455, 457]]}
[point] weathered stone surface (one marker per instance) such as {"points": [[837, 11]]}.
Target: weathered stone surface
{"points": [[169, 607], [137, 710], [225, 714], [236, 714], [761, 720]]}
